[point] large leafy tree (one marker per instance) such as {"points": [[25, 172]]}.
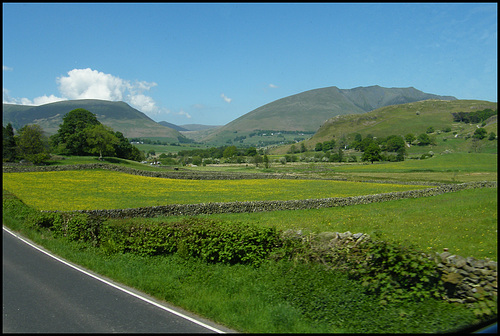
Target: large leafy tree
{"points": [[101, 140], [82, 134], [32, 144], [372, 153], [71, 133], [230, 152], [394, 143], [124, 149], [424, 139], [480, 133]]}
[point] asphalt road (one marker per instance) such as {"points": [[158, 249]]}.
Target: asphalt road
{"points": [[46, 295]]}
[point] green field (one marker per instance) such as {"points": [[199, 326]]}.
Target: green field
{"points": [[280, 297], [465, 222], [91, 189], [456, 162]]}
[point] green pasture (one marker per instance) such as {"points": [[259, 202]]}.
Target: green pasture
{"points": [[465, 222], [453, 162]]}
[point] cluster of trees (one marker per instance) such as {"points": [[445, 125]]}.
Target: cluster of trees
{"points": [[29, 144], [481, 133], [473, 117], [215, 154], [80, 134]]}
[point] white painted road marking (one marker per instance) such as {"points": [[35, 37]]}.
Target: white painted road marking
{"points": [[115, 285]]}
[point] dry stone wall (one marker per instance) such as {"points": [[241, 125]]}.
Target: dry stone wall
{"points": [[467, 280]]}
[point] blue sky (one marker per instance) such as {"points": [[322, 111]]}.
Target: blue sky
{"points": [[211, 63]]}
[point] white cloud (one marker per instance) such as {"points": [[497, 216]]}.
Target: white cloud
{"points": [[6, 68], [144, 103], [272, 86], [227, 99], [47, 100], [180, 113], [25, 101], [93, 84]]}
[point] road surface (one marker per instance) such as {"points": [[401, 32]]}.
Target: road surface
{"points": [[43, 293]]}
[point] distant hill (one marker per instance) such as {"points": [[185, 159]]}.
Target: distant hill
{"points": [[401, 119], [187, 127], [308, 110], [198, 127], [117, 115], [172, 126]]}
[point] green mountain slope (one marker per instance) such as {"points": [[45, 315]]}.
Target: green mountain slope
{"points": [[308, 110], [117, 115], [402, 119]]}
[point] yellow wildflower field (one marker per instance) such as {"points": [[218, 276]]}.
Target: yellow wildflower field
{"points": [[102, 189]]}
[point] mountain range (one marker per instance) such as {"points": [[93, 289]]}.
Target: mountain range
{"points": [[302, 112], [308, 110]]}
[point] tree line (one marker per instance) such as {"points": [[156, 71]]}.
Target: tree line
{"points": [[80, 134], [473, 117]]}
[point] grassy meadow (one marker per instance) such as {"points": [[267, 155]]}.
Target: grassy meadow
{"points": [[101, 189], [465, 222], [282, 297]]}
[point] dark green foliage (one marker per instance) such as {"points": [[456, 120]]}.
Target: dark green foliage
{"points": [[9, 144], [393, 143], [15, 208], [32, 144], [226, 242], [473, 117], [82, 134], [424, 139], [45, 220], [333, 298], [314, 291], [395, 273], [480, 133], [101, 140], [371, 153], [389, 271], [75, 227], [209, 240], [71, 132], [363, 144], [410, 138]]}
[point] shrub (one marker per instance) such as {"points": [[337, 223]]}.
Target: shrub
{"points": [[45, 220], [15, 208], [387, 270], [226, 242], [480, 133], [396, 273]]}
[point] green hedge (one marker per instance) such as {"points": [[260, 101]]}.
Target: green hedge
{"points": [[209, 240]]}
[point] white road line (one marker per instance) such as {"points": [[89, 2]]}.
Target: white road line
{"points": [[114, 285]]}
